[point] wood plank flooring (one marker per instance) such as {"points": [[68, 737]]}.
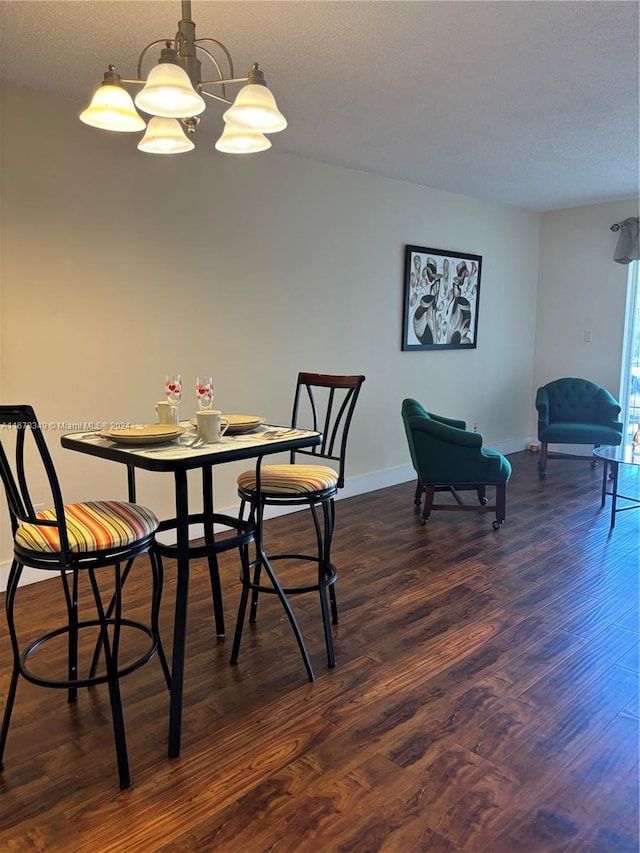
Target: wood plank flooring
{"points": [[485, 697]]}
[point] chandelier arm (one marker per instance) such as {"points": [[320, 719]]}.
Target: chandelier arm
{"points": [[222, 48], [148, 47], [215, 97], [217, 67], [222, 82]]}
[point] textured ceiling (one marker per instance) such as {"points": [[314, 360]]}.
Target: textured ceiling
{"points": [[529, 103]]}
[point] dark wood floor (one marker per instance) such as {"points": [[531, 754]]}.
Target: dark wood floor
{"points": [[485, 698]]}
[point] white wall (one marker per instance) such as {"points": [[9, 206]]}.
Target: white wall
{"points": [[581, 290], [118, 267]]}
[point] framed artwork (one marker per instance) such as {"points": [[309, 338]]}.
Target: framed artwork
{"points": [[441, 299]]}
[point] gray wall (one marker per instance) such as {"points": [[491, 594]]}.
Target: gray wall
{"points": [[581, 290], [118, 267]]}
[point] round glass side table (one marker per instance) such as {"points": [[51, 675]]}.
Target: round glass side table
{"points": [[613, 457]]}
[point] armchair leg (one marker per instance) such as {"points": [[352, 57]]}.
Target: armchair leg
{"points": [[429, 494], [482, 495], [501, 505], [542, 461]]}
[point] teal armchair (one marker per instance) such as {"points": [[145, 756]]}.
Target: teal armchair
{"points": [[448, 457], [575, 411]]}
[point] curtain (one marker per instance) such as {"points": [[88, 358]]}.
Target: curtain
{"points": [[628, 249]]}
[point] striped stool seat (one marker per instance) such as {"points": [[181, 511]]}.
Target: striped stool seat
{"points": [[290, 479], [91, 526]]}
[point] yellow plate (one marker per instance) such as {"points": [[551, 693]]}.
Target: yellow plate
{"points": [[238, 423], [143, 434]]}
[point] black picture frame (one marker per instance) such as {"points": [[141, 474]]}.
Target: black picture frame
{"points": [[441, 299]]}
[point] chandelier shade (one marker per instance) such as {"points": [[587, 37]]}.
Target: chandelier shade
{"points": [[112, 108], [237, 140], [165, 136], [168, 93], [255, 108], [173, 94]]}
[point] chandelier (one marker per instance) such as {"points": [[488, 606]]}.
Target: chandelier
{"points": [[173, 94]]}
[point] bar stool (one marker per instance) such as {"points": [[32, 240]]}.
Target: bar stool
{"points": [[76, 541], [323, 403]]}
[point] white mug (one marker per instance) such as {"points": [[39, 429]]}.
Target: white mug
{"points": [[164, 413], [210, 427]]}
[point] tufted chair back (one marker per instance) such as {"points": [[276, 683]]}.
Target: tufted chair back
{"points": [[575, 400]]}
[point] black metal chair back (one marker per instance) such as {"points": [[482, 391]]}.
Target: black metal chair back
{"points": [[14, 477], [326, 403]]}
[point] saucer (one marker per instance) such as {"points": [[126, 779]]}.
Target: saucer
{"points": [[143, 434], [238, 424]]}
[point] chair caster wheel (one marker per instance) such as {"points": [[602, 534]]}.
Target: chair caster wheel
{"points": [[417, 501], [496, 525], [542, 474], [423, 521], [484, 501], [594, 464]]}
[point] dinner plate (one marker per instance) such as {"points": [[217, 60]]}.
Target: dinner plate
{"points": [[143, 434], [238, 423]]}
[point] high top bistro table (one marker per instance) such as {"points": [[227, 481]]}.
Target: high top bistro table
{"points": [[179, 459]]}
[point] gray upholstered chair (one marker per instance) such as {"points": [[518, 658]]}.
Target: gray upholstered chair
{"points": [[575, 411]]}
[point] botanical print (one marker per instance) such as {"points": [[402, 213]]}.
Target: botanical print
{"points": [[442, 291]]}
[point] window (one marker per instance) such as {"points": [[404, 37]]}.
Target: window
{"points": [[630, 379]]}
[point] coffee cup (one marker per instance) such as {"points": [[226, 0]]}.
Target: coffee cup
{"points": [[210, 425], [164, 412]]}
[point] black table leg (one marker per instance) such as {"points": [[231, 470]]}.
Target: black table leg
{"points": [[614, 493], [131, 483], [180, 621], [605, 472], [212, 558]]}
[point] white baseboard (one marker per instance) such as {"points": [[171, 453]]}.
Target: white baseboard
{"points": [[353, 486], [577, 450], [513, 445], [28, 576]]}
